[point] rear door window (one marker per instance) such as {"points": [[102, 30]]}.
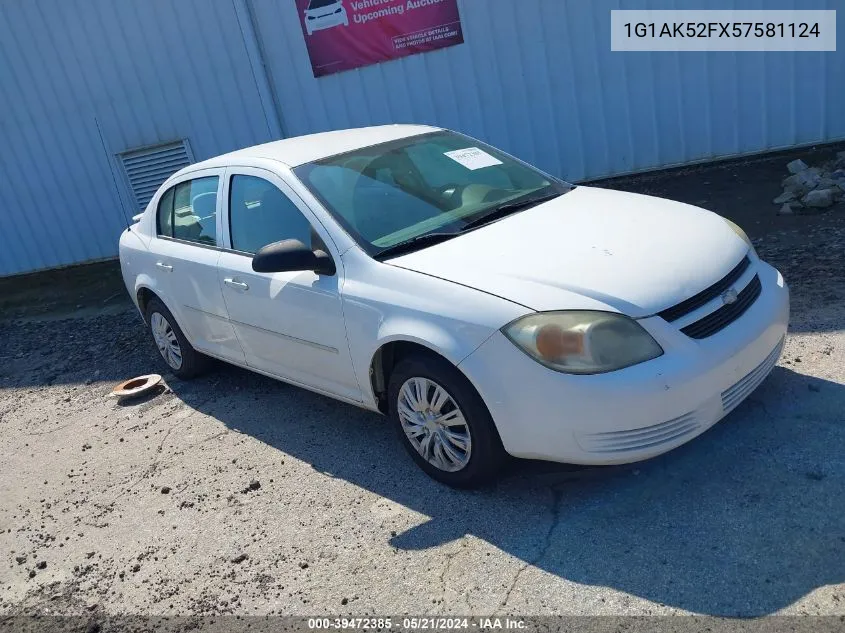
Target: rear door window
{"points": [[195, 211], [188, 211]]}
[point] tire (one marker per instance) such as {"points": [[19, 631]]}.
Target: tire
{"points": [[486, 454], [191, 362]]}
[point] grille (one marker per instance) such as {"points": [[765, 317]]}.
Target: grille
{"points": [[642, 438], [708, 294], [736, 394], [727, 314], [147, 168]]}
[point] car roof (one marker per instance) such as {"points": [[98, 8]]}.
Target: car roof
{"points": [[299, 150]]}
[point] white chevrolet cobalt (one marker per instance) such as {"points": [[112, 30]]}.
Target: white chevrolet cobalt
{"points": [[324, 14], [486, 307]]}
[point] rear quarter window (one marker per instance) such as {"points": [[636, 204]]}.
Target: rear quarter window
{"points": [[164, 216]]}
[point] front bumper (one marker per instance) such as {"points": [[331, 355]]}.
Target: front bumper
{"points": [[638, 412]]}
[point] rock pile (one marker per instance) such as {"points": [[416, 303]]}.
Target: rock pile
{"points": [[812, 189]]}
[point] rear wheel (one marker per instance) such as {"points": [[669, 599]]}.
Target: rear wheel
{"points": [[443, 422], [180, 356]]}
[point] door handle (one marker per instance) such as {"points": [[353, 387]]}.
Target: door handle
{"points": [[164, 266], [236, 284]]}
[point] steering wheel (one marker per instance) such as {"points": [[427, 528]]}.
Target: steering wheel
{"points": [[494, 195], [209, 199]]}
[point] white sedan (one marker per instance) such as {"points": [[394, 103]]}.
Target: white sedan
{"points": [[489, 309]]}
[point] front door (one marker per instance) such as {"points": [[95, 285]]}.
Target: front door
{"points": [[289, 324]]}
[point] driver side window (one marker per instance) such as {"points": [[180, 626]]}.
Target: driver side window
{"points": [[260, 214]]}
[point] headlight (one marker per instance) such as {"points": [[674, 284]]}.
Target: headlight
{"points": [[583, 342], [741, 234]]}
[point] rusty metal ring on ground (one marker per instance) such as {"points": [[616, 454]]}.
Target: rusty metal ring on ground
{"points": [[136, 386]]}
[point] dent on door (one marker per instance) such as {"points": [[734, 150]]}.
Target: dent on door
{"points": [[187, 276]]}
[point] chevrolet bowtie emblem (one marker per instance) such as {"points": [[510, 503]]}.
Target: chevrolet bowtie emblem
{"points": [[729, 296]]}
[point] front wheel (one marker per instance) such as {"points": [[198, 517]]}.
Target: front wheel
{"points": [[180, 356], [443, 422]]}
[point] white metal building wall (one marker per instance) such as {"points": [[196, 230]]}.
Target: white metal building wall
{"points": [[82, 81]]}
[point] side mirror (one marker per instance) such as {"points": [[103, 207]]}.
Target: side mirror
{"points": [[291, 255]]}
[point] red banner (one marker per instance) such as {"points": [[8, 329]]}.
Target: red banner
{"points": [[345, 34]]}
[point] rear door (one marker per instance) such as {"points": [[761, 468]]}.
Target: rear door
{"points": [[289, 324], [186, 250]]}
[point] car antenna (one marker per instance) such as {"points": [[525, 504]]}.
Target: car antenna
{"points": [[114, 180]]}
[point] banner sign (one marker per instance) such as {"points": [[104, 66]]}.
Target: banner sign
{"points": [[345, 34]]}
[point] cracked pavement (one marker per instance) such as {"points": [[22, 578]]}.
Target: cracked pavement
{"points": [[237, 494]]}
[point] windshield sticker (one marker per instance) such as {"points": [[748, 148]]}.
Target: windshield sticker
{"points": [[473, 158]]}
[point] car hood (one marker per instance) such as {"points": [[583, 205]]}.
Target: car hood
{"points": [[590, 249]]}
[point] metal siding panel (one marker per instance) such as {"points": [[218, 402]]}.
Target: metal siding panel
{"points": [[100, 222], [591, 99], [36, 155], [513, 72], [482, 107], [668, 119], [565, 96], [624, 117], [492, 96], [145, 72], [18, 252]]}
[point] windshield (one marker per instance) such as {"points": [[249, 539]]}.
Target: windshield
{"points": [[319, 4], [441, 182]]}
